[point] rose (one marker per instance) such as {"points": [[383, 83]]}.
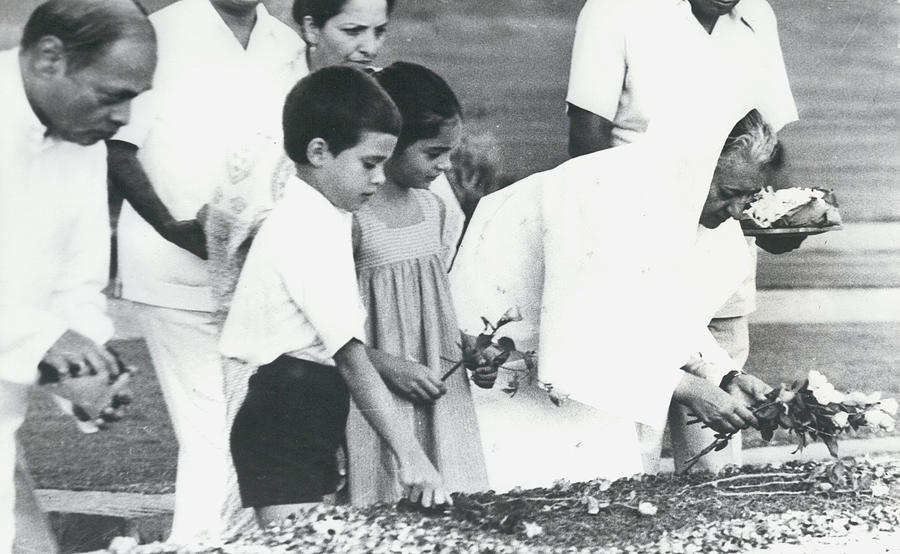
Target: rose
{"points": [[840, 419], [876, 417], [888, 406], [822, 390]]}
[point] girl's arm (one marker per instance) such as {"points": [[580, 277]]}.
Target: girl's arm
{"points": [[414, 381], [417, 475]]}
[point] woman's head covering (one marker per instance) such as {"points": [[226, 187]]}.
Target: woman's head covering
{"points": [[601, 255]]}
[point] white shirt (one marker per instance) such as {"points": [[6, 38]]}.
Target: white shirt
{"points": [[54, 234], [212, 107], [298, 292], [624, 49]]}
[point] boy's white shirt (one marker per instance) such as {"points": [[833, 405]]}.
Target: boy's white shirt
{"points": [[298, 293]]}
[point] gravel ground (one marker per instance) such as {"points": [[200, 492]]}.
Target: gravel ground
{"points": [[739, 510]]}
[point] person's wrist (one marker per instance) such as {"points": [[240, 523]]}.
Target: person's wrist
{"points": [[729, 378]]}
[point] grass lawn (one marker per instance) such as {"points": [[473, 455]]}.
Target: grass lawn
{"points": [[138, 453]]}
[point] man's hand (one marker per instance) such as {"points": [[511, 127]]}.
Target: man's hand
{"points": [[747, 389], [75, 355], [414, 381], [422, 483], [774, 244], [187, 234], [716, 408]]}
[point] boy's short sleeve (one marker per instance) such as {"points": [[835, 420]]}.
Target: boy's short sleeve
{"points": [[597, 72]]}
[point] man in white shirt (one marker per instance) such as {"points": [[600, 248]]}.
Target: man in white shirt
{"points": [[225, 67], [624, 53], [67, 88]]}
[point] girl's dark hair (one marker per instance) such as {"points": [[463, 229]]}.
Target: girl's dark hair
{"points": [[85, 27], [424, 99], [337, 104], [323, 10]]}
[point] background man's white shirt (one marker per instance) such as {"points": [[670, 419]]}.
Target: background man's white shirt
{"points": [[212, 107]]}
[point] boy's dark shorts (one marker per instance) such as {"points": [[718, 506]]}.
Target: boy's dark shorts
{"points": [[287, 432]]}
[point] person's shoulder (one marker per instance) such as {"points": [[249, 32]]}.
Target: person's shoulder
{"points": [[283, 33], [610, 8], [176, 11], [759, 14]]}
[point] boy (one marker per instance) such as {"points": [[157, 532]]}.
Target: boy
{"points": [[296, 312]]}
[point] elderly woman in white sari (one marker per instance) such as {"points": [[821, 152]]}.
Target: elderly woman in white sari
{"points": [[617, 260]]}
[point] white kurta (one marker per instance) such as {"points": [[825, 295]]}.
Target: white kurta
{"points": [[54, 256]]}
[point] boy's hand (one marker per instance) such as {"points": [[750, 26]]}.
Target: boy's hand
{"points": [[415, 382], [422, 484]]}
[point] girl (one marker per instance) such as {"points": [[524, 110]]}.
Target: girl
{"points": [[401, 267]]}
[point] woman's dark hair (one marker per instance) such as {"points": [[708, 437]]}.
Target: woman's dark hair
{"points": [[337, 104], [323, 10], [424, 99], [86, 27]]}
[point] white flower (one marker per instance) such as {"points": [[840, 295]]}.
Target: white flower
{"points": [[532, 529], [840, 419], [647, 509], [827, 394], [329, 526], [878, 418], [879, 489], [512, 314], [816, 379], [888, 406]]}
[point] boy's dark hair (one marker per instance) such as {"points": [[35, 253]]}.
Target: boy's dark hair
{"points": [[337, 104], [85, 27], [323, 10], [424, 99]]}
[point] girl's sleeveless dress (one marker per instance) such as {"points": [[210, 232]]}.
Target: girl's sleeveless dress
{"points": [[404, 285]]}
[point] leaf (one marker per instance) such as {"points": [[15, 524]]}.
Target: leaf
{"points": [[766, 433], [511, 391], [831, 443], [487, 324], [506, 343], [530, 360], [483, 341]]}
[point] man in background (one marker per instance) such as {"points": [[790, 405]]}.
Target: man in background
{"points": [[624, 52]]}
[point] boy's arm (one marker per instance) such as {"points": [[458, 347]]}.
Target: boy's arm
{"points": [[414, 381], [417, 475]]}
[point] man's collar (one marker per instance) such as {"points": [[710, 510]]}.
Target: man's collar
{"points": [[31, 124], [736, 13]]}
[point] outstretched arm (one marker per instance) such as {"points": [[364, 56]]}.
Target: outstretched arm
{"points": [[128, 177], [417, 475]]}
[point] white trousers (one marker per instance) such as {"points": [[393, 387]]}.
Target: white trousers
{"points": [[13, 404], [183, 347]]}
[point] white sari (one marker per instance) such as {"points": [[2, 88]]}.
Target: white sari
{"points": [[603, 257]]}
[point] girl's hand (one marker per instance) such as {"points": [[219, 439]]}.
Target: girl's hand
{"points": [[484, 376], [415, 382], [421, 483]]}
